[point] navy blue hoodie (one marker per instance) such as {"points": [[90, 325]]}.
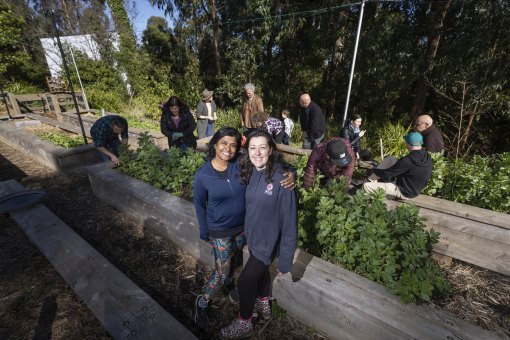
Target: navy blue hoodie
{"points": [[219, 201], [271, 220]]}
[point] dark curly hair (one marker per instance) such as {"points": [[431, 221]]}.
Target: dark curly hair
{"points": [[175, 101], [224, 131], [246, 165]]}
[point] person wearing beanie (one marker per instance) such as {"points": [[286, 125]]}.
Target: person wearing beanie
{"points": [[412, 172], [334, 158]]}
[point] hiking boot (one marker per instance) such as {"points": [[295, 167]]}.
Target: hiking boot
{"points": [[238, 329], [200, 313], [262, 310], [231, 290]]}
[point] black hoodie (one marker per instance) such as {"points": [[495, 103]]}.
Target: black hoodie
{"points": [[412, 172]]}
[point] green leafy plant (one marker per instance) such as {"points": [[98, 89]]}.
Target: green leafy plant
{"points": [[172, 171], [391, 135], [228, 118], [62, 139], [439, 171], [390, 247]]}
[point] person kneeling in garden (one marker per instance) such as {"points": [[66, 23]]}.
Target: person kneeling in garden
{"points": [[105, 134], [271, 125], [412, 172], [334, 158]]}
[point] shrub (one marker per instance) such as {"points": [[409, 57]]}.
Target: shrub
{"points": [[391, 135], [172, 171], [228, 118], [110, 101], [390, 247], [62, 139]]}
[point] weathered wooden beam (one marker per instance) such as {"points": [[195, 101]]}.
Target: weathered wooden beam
{"points": [[118, 303], [14, 103], [482, 244]]}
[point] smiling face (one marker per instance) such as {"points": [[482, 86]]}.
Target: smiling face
{"points": [[259, 152], [225, 148], [174, 110]]}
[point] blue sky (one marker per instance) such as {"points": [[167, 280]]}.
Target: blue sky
{"points": [[145, 11]]}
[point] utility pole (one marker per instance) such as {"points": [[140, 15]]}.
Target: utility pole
{"points": [[353, 61]]}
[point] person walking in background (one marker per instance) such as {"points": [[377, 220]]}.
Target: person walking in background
{"points": [[178, 124], [105, 134], [218, 195], [353, 133], [251, 105], [412, 172], [271, 230], [432, 137], [333, 158], [206, 115], [271, 125], [289, 126], [313, 122]]}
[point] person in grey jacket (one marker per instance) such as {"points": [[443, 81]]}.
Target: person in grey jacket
{"points": [[270, 227], [206, 115]]}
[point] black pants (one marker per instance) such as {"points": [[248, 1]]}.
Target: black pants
{"points": [[254, 281]]}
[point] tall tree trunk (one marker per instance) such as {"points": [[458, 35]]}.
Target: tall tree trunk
{"points": [[216, 36], [336, 60], [432, 45]]}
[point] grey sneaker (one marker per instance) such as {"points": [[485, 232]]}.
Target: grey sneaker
{"points": [[238, 329], [262, 310], [200, 314], [231, 290]]}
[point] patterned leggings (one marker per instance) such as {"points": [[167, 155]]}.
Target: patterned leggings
{"points": [[227, 257]]}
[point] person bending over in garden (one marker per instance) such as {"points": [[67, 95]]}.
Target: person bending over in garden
{"points": [[105, 134], [352, 132], [271, 125], [178, 124], [412, 172], [334, 158], [218, 195], [206, 115], [271, 229]]}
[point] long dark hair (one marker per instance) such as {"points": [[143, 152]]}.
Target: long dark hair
{"points": [[175, 101], [274, 158], [224, 131]]}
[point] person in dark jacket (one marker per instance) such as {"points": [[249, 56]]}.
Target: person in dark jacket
{"points": [[206, 115], [218, 195], [432, 137], [334, 158], [270, 228], [412, 172], [313, 122], [353, 133], [178, 124]]}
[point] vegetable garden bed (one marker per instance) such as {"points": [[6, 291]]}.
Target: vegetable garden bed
{"points": [[320, 294], [55, 157]]}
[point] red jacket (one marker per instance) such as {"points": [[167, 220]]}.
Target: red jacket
{"points": [[318, 160]]}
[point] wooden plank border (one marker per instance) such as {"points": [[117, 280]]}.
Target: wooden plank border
{"points": [[120, 305]]}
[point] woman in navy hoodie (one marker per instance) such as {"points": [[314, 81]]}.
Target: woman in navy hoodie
{"points": [[220, 207], [270, 227]]}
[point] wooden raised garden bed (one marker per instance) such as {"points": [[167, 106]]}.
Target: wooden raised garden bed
{"points": [[335, 301]]}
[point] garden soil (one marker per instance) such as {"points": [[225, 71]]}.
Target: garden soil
{"points": [[35, 302]]}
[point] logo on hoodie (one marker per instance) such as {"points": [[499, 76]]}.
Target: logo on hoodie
{"points": [[269, 189]]}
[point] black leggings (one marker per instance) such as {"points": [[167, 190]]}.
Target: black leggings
{"points": [[254, 281]]}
